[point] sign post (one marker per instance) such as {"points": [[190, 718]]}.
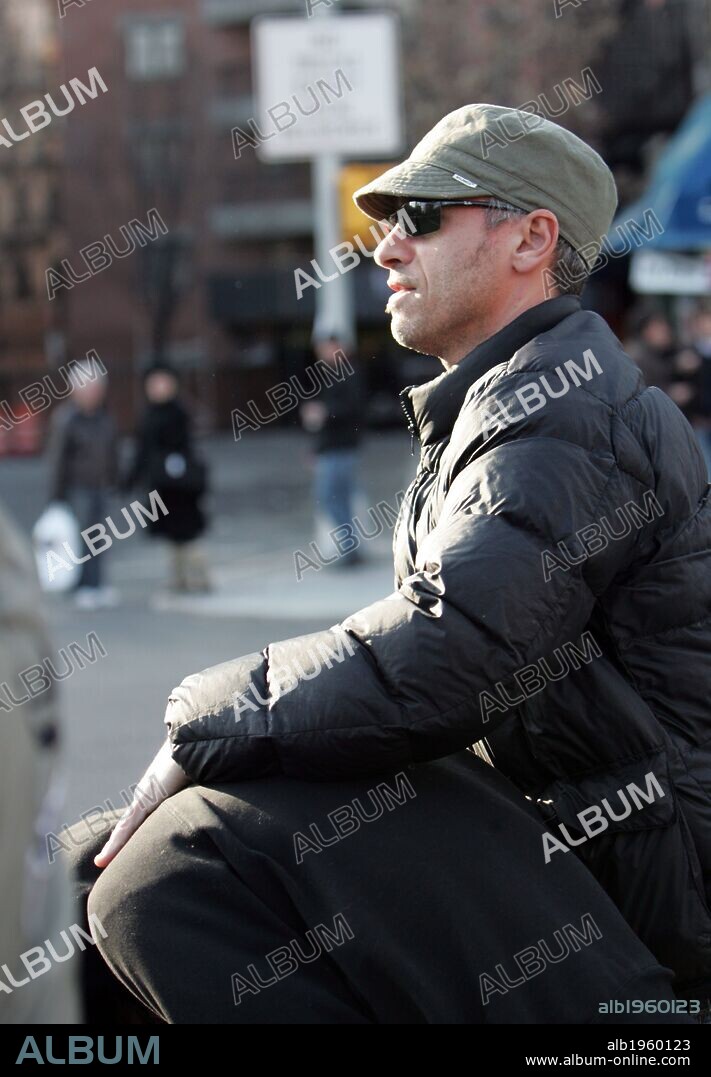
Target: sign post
{"points": [[330, 85], [335, 315]]}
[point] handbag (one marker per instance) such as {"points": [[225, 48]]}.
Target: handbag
{"points": [[181, 474]]}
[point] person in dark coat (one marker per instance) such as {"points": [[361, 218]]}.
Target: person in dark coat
{"points": [[698, 367], [653, 348], [551, 610], [334, 416], [665, 364], [84, 469], [165, 461]]}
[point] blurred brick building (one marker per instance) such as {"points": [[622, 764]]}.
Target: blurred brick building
{"points": [[30, 218], [216, 294], [214, 290]]}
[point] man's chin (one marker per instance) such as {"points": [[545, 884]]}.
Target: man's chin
{"points": [[410, 336]]}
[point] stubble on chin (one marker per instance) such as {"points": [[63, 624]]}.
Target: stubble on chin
{"points": [[410, 333], [459, 302]]}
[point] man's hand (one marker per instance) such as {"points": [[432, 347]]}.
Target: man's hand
{"points": [[162, 779]]}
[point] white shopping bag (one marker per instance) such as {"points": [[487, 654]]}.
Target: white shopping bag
{"points": [[57, 525]]}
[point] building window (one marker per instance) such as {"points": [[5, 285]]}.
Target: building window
{"points": [[23, 286], [158, 151], [155, 48], [6, 204], [21, 210]]}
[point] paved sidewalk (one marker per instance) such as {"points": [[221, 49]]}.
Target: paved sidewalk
{"points": [[262, 512], [267, 587]]}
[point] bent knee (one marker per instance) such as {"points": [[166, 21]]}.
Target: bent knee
{"points": [[111, 911], [130, 892]]}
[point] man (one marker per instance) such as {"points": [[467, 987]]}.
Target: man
{"points": [[543, 603], [83, 456], [697, 366], [653, 349], [335, 419]]}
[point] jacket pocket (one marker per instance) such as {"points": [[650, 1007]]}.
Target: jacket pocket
{"points": [[637, 844], [634, 795]]}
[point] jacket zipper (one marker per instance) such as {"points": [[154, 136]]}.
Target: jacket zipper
{"points": [[405, 404], [409, 503]]}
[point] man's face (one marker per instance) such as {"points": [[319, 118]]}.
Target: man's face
{"points": [[445, 283], [702, 326], [90, 396], [658, 333], [329, 350], [160, 387]]}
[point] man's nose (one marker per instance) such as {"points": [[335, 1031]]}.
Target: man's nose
{"points": [[396, 249]]}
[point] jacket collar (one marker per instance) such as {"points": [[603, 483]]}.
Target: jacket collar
{"points": [[432, 408]]}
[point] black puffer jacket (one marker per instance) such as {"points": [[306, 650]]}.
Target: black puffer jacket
{"points": [[586, 667]]}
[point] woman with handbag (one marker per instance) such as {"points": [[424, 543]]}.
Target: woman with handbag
{"points": [[165, 461]]}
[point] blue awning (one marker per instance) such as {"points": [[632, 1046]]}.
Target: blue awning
{"points": [[679, 192]]}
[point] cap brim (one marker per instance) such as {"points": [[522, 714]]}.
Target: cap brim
{"points": [[413, 179]]}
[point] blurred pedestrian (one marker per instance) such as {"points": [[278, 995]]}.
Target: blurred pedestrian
{"points": [[83, 455], [699, 364], [334, 416], [165, 460], [653, 347]]}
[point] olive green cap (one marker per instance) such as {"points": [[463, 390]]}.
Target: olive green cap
{"points": [[517, 156]]}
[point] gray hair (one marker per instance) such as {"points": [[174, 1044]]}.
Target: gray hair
{"points": [[82, 371], [568, 268]]}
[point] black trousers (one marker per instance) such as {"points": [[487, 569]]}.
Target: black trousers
{"points": [[422, 897]]}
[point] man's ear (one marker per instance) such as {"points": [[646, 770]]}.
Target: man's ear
{"points": [[538, 239]]}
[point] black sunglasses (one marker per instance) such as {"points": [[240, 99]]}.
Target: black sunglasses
{"points": [[421, 218]]}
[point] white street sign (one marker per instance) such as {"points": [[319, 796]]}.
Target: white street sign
{"points": [[326, 86], [667, 273]]}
